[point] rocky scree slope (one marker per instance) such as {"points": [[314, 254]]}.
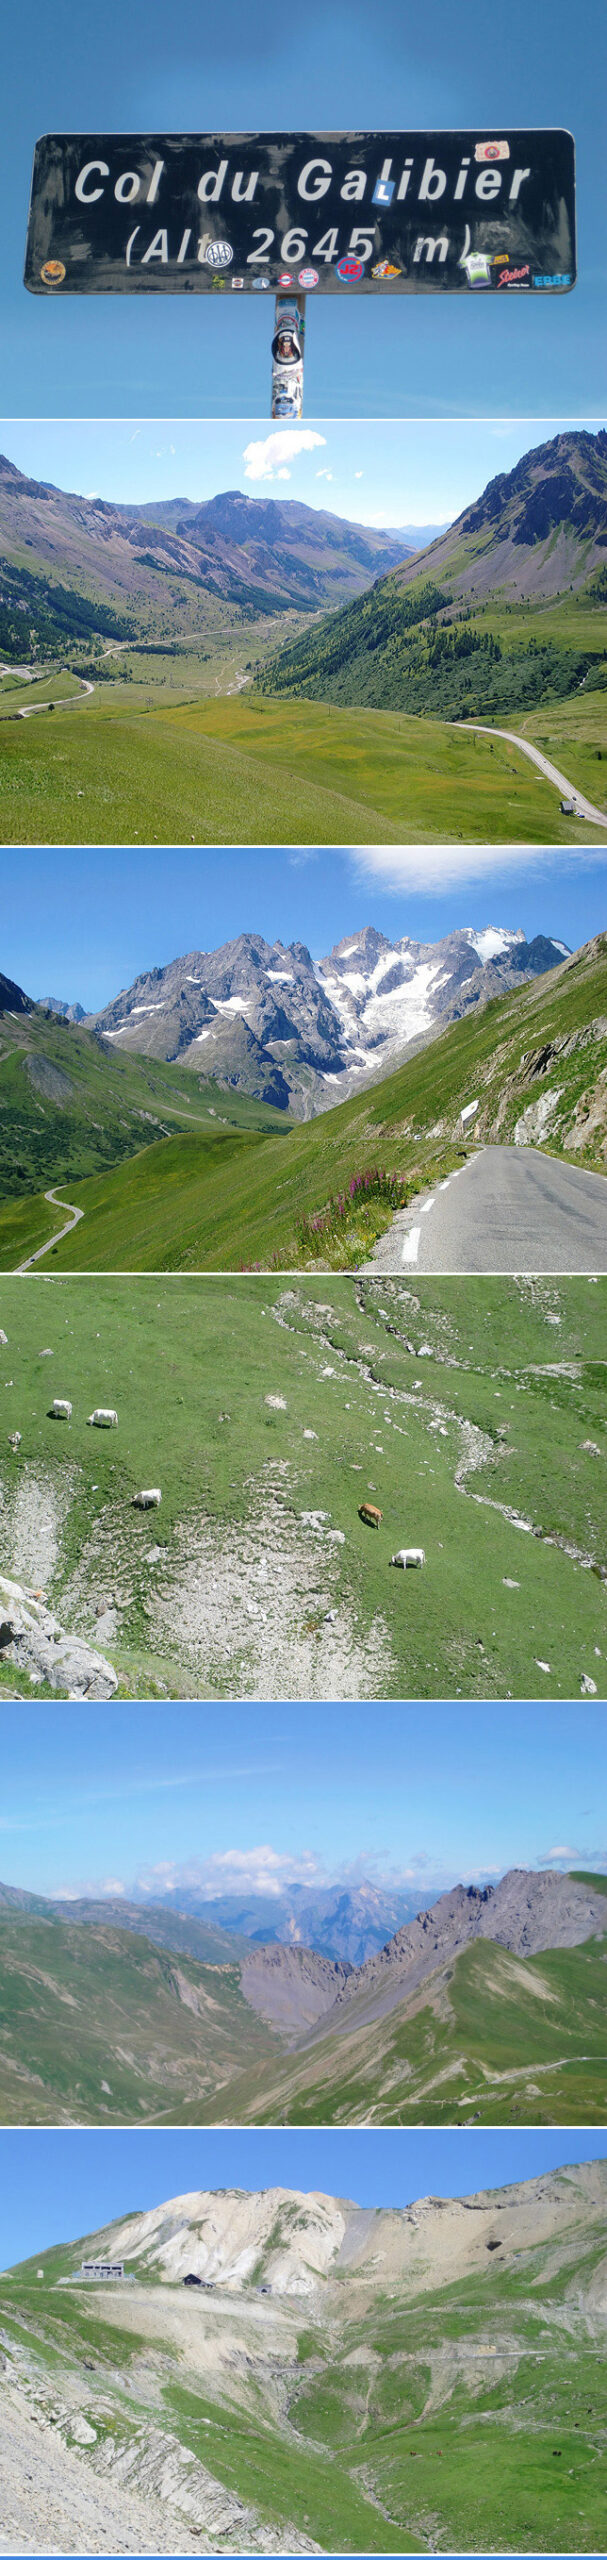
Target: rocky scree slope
{"points": [[293, 2241], [387, 2311]]}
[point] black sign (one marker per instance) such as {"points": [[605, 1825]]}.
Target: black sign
{"points": [[326, 212]]}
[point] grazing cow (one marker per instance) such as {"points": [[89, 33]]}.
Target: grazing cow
{"points": [[104, 1415], [60, 1410], [409, 1555], [148, 1500], [368, 1512], [14, 1440]]}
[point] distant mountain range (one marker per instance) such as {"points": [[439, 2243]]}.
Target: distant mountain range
{"points": [[67, 1012], [418, 643], [264, 1018], [73, 567], [338, 1923], [343, 1978], [350, 1923]]}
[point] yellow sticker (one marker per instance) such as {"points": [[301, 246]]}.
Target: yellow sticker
{"points": [[53, 272]]}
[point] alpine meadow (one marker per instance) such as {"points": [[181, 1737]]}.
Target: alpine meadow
{"points": [[258, 671]]}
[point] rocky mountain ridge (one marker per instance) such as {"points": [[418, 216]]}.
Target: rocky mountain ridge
{"points": [[526, 1912], [432, 637], [267, 554], [265, 1018], [299, 1990], [290, 2241]]}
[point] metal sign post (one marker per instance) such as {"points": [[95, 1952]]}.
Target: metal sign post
{"points": [[288, 355], [340, 213]]}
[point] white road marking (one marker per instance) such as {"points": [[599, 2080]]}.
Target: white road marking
{"points": [[428, 1204], [411, 1244]]}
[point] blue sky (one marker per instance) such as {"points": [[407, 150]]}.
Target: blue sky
{"points": [[61, 2186], [395, 472], [127, 1796], [152, 68], [82, 924]]}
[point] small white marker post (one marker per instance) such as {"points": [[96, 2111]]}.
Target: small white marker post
{"points": [[288, 355]]}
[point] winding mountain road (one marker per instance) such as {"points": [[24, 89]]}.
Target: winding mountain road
{"points": [[72, 1221], [583, 808], [505, 1209], [29, 709]]}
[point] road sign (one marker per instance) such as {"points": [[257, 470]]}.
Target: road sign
{"points": [[364, 213]]}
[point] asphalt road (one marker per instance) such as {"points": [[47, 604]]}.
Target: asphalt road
{"points": [[29, 709], [583, 808], [505, 1209], [72, 1221]]}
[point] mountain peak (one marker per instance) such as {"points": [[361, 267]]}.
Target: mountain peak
{"points": [[263, 1016]]}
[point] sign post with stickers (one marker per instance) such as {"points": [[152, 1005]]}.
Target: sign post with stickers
{"points": [[297, 213]]}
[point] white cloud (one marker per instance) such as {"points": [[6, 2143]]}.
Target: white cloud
{"points": [[359, 475], [93, 1889], [90, 494], [434, 868], [324, 475], [265, 459], [257, 1870], [562, 1850]]}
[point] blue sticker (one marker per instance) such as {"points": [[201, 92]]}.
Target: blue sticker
{"points": [[552, 280], [383, 192], [260, 284]]}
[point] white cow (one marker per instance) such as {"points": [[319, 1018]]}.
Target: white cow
{"points": [[148, 1500], [409, 1555], [104, 1415], [60, 1409]]}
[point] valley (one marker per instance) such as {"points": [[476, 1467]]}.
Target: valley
{"points": [[250, 1405], [341, 2378], [170, 1179], [246, 769], [486, 2008], [218, 639]]}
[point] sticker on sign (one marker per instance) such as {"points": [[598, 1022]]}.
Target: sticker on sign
{"points": [[391, 212]]}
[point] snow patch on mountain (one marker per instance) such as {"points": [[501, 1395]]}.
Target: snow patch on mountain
{"points": [[296, 1032]]}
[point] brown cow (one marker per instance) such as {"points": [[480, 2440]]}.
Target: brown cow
{"points": [[368, 1512]]}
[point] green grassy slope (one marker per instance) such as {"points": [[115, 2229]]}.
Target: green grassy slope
{"points": [[494, 2041], [504, 610], [254, 770], [70, 1106], [176, 1208], [408, 649], [97, 2026], [576, 740], [229, 1595], [470, 2414], [100, 2024]]}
